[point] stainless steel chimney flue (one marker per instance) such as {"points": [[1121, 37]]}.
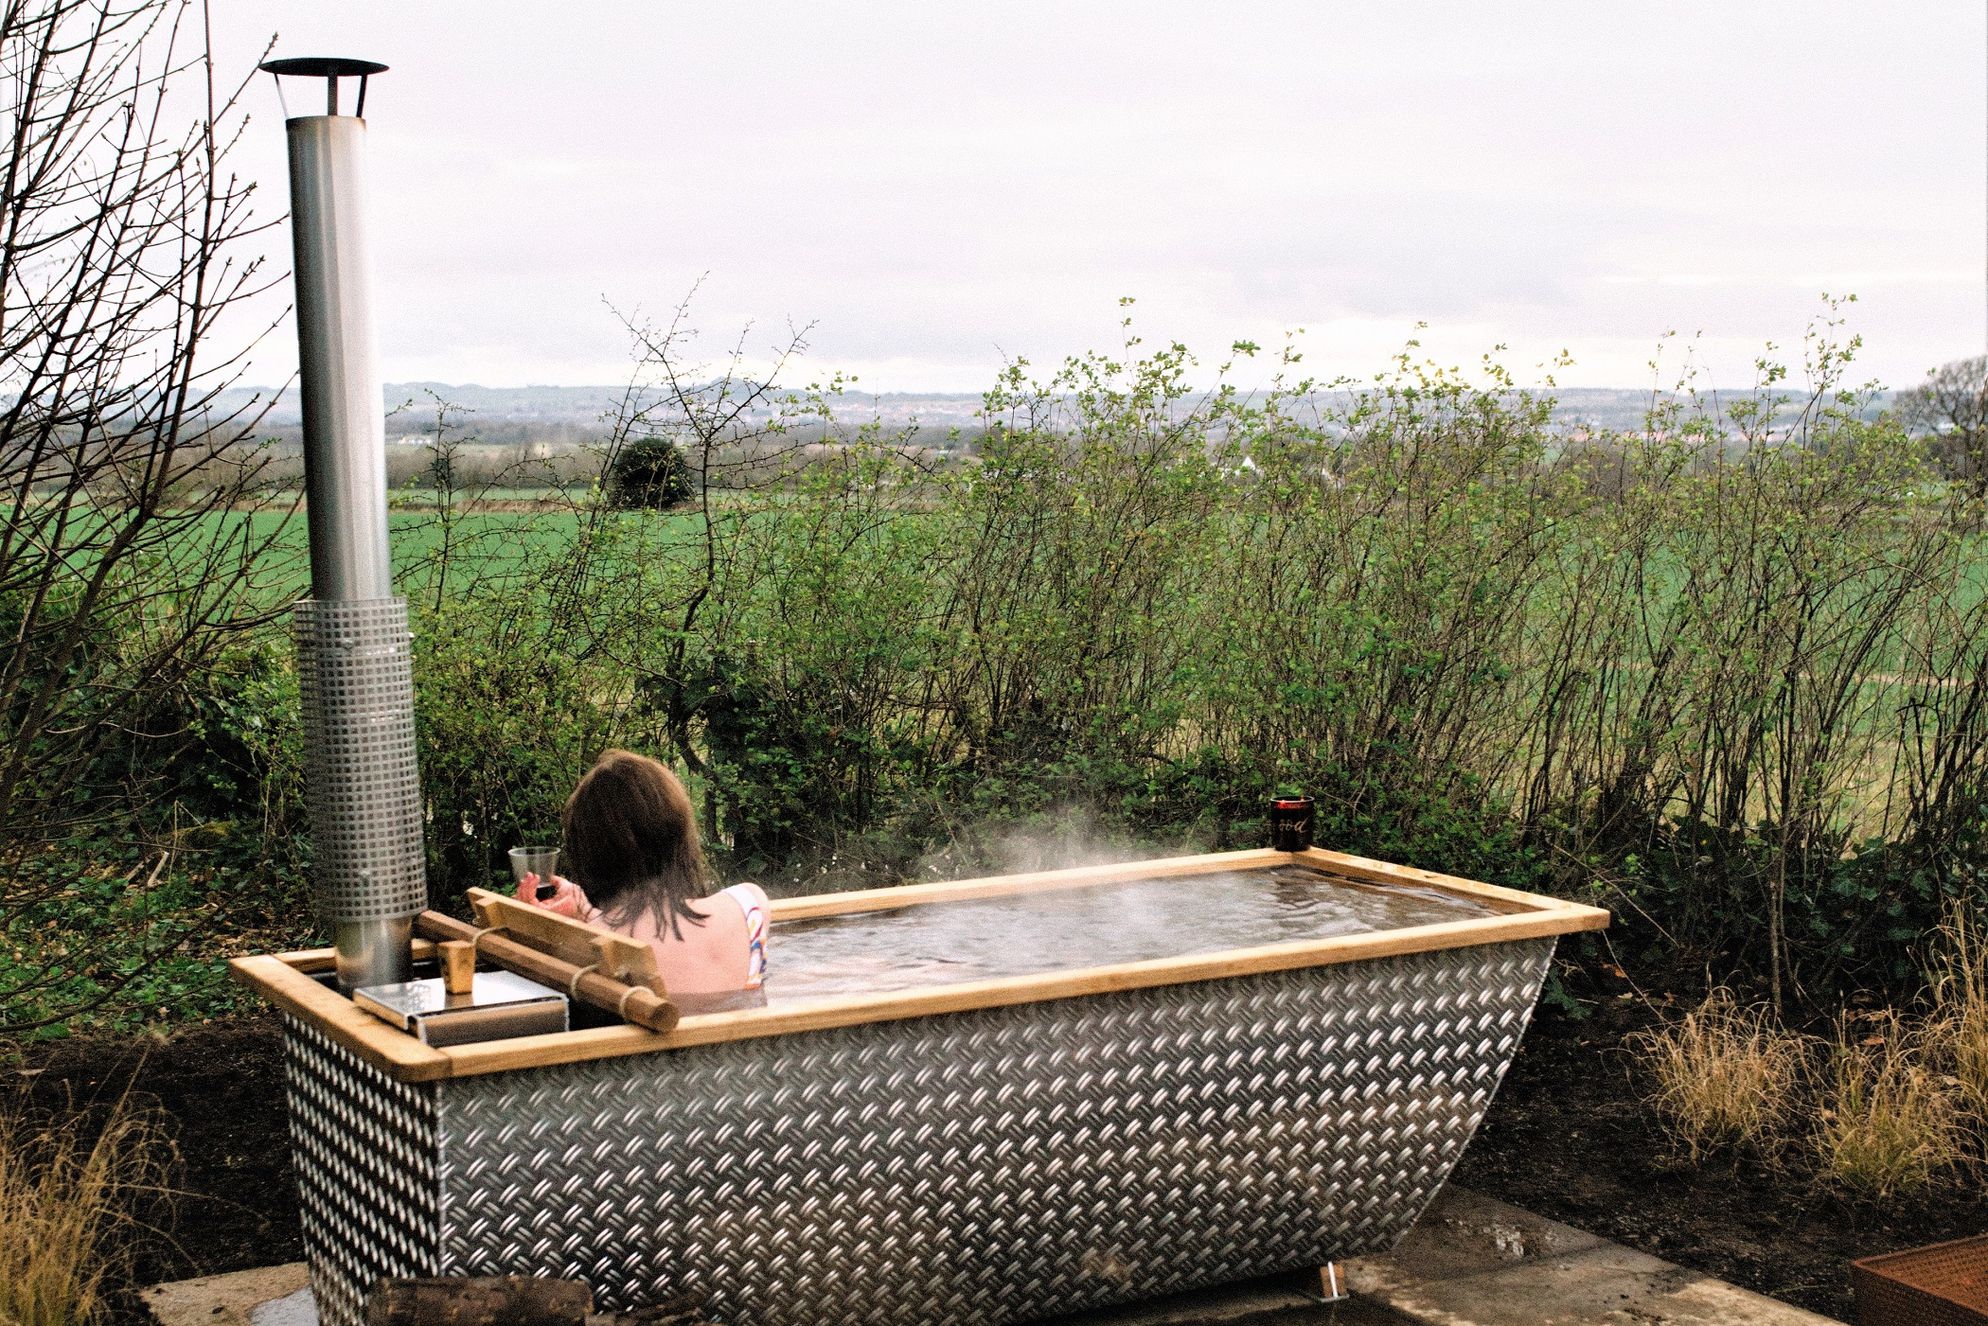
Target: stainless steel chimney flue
{"points": [[362, 786]]}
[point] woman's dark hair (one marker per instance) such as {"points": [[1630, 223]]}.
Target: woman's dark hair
{"points": [[631, 842]]}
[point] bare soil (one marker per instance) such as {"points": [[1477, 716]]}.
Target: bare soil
{"points": [[220, 1085], [1570, 1136]]}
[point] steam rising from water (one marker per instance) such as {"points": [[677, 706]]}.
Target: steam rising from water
{"points": [[942, 943], [1059, 838]]}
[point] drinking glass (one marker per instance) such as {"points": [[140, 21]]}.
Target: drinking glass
{"points": [[540, 861]]}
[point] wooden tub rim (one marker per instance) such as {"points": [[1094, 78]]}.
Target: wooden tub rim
{"points": [[286, 980]]}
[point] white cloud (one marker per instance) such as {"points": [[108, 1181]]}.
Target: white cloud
{"points": [[933, 185]]}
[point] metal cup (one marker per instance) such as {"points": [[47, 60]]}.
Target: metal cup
{"points": [[540, 861], [1290, 823]]}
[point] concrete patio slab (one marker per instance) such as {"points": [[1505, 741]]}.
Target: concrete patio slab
{"points": [[232, 1300], [1273, 1302], [1470, 1261]]}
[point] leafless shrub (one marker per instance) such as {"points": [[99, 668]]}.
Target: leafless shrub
{"points": [[122, 565]]}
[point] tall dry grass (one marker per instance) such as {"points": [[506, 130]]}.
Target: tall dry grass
{"points": [[1889, 1103], [1887, 1124], [69, 1196], [1960, 1017], [1727, 1076]]}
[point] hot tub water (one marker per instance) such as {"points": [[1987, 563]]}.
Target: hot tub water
{"points": [[1063, 929]]}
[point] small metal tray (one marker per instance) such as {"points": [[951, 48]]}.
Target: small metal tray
{"points": [[499, 1005]]}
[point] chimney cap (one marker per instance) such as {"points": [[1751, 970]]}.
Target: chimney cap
{"points": [[330, 68], [323, 66]]}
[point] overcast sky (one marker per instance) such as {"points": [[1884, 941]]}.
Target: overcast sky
{"points": [[939, 186]]}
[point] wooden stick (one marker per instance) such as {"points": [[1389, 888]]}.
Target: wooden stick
{"points": [[627, 960], [682, 1310], [458, 966], [311, 961], [631, 1003]]}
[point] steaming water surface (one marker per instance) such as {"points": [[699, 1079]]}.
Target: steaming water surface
{"points": [[1086, 926]]}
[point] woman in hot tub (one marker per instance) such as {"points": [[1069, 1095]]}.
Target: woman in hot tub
{"points": [[631, 843]]}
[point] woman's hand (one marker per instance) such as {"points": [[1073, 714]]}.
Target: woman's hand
{"points": [[567, 899]]}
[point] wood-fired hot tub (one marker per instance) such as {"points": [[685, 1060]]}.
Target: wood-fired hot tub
{"points": [[970, 1147]]}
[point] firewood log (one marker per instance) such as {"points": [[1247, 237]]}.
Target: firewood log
{"points": [[497, 1300], [514, 1300], [683, 1310]]}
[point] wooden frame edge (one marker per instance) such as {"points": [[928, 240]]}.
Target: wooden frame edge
{"points": [[1519, 916], [1386, 872], [314, 960], [1359, 868], [990, 886], [930, 1001], [287, 986]]}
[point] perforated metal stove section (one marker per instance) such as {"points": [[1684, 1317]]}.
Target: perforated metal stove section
{"points": [[980, 1167], [362, 786]]}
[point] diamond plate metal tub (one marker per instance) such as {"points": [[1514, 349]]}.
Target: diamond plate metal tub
{"points": [[954, 1155]]}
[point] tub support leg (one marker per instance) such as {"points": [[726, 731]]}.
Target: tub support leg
{"points": [[1330, 1286]]}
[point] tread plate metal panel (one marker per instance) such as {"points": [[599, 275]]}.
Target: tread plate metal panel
{"points": [[363, 1146], [988, 1166]]}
